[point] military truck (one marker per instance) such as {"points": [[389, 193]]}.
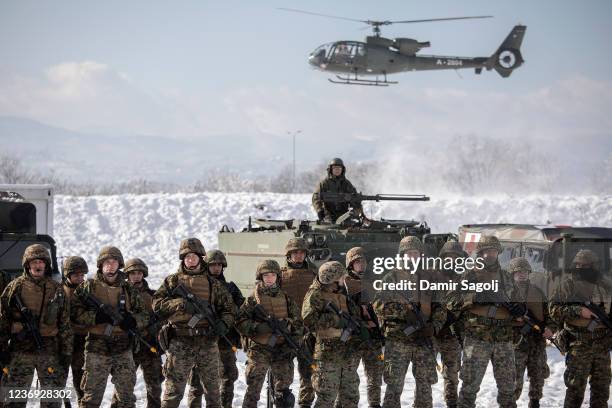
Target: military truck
{"points": [[266, 238], [21, 225], [548, 248]]}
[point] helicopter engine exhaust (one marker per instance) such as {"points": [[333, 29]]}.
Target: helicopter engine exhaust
{"points": [[409, 46]]}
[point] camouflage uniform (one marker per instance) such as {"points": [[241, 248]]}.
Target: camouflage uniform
{"points": [[488, 331], [261, 357], [370, 353], [447, 340], [589, 350], [228, 371], [395, 315], [71, 265], [150, 363], [193, 346], [45, 300], [530, 345], [296, 279], [331, 184], [332, 356], [108, 354]]}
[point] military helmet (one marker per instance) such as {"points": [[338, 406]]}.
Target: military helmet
{"points": [[519, 264], [488, 242], [108, 252], [295, 244], [267, 266], [336, 161], [74, 264], [36, 251], [354, 254], [586, 257], [191, 245], [410, 243], [136, 264], [452, 248], [330, 272], [215, 256]]}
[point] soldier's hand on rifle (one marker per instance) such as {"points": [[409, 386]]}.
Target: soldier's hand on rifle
{"points": [[102, 317], [221, 328], [341, 322], [586, 313], [128, 323], [189, 308]]}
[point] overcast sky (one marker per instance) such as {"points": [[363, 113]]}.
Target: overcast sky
{"points": [[221, 71]]}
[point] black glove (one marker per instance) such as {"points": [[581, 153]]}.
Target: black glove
{"points": [[128, 323], [321, 215], [221, 328], [517, 309], [102, 317]]}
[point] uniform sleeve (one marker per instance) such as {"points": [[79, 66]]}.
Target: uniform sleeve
{"points": [[5, 320], [138, 308], [317, 203], [224, 304], [559, 310], [295, 319], [244, 322], [165, 304], [81, 313], [313, 315], [65, 327]]}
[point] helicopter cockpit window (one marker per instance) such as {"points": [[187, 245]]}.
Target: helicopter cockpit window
{"points": [[345, 52]]}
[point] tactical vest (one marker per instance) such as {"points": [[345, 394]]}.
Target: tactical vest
{"points": [[78, 329], [147, 298], [340, 301], [295, 283], [596, 294], [353, 285], [485, 311], [275, 306], [201, 286], [36, 299], [113, 296]]}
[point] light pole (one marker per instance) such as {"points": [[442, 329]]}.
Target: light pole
{"points": [[293, 134]]}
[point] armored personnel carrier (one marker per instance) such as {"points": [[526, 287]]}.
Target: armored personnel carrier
{"points": [[266, 238]]}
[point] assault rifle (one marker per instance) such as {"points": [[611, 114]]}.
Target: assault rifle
{"points": [[352, 325], [599, 317], [29, 322], [204, 311], [116, 319], [355, 198], [420, 325], [279, 330]]}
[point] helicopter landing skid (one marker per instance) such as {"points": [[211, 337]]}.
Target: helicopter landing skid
{"points": [[347, 80]]}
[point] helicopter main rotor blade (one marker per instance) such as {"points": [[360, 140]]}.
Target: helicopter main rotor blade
{"points": [[435, 19], [322, 15]]}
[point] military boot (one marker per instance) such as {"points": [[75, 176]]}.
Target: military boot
{"points": [[534, 403]]}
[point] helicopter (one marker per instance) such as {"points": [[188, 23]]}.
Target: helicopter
{"points": [[351, 61]]}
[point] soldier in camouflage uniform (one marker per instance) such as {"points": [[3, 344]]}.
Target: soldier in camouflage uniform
{"points": [[487, 318], [193, 345], [334, 182], [530, 342], [370, 353], [216, 263], [148, 361], [261, 357], [108, 348], [44, 300], [397, 314], [589, 341], [332, 354], [447, 341], [74, 270], [297, 276]]}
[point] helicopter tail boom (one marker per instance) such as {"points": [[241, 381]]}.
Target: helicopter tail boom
{"points": [[508, 56]]}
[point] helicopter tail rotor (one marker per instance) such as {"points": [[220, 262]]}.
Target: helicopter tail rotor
{"points": [[508, 56]]}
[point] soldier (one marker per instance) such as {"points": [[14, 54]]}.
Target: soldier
{"points": [[110, 308], [148, 361], [191, 340], [409, 320], [35, 332], [447, 341], [262, 357], [487, 318], [332, 351], [216, 263], [530, 342], [370, 353], [590, 341], [334, 182], [297, 276], [74, 269]]}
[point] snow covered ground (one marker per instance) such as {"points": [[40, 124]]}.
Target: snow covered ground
{"points": [[151, 227]]}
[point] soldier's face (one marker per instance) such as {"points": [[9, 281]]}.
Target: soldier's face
{"points": [[37, 268], [135, 277], [109, 269], [269, 279], [191, 260], [489, 256], [77, 278], [521, 276], [297, 256], [336, 170], [413, 254], [360, 265], [215, 269]]}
